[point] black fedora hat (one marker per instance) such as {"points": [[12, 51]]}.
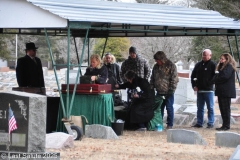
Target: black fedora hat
{"points": [[30, 46]]}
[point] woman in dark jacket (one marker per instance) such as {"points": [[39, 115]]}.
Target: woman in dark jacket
{"points": [[225, 87], [96, 70], [141, 111], [113, 70]]}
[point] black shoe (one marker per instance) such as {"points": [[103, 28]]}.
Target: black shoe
{"points": [[169, 127], [222, 129], [197, 126], [210, 126]]}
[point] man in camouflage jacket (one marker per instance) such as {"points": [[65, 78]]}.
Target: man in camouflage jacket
{"points": [[135, 63], [164, 78]]}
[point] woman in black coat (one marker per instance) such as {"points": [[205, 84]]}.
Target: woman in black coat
{"points": [[225, 87], [113, 70], [141, 111], [96, 70]]}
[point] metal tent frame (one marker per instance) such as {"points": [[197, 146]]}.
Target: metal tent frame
{"points": [[78, 19]]}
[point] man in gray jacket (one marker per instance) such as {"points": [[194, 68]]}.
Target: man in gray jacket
{"points": [[135, 63]]}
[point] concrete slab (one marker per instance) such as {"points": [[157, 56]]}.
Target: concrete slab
{"points": [[181, 119]]}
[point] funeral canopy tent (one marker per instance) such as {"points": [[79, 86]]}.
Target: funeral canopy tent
{"points": [[96, 19], [111, 19]]}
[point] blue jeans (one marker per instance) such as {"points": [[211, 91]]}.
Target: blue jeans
{"points": [[168, 102], [203, 97]]}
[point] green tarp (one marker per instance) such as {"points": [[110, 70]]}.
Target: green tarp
{"points": [[98, 109], [157, 118]]}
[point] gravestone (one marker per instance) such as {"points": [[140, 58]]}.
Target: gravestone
{"points": [[238, 92], [83, 69], [227, 139], [72, 76], [180, 119], [29, 111], [236, 154], [184, 92], [100, 131], [205, 121], [219, 117], [45, 71], [236, 116], [185, 137]]}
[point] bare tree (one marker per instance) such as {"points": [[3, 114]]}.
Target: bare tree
{"points": [[176, 48], [229, 8]]}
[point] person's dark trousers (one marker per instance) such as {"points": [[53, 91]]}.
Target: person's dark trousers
{"points": [[224, 106], [168, 102]]}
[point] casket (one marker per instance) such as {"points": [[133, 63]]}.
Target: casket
{"points": [[88, 88]]}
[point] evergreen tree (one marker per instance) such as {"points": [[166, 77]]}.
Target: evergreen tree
{"points": [[116, 46]]}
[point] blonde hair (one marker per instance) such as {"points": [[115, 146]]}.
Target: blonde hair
{"points": [[113, 59], [229, 60], [98, 59]]}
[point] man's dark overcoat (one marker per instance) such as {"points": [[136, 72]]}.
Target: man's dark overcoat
{"points": [[29, 73]]}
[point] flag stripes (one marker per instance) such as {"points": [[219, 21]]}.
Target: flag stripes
{"points": [[12, 123]]}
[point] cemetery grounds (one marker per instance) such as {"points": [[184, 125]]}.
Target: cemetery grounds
{"points": [[151, 145], [135, 145]]}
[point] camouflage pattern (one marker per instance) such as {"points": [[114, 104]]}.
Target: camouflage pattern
{"points": [[139, 65], [164, 78]]}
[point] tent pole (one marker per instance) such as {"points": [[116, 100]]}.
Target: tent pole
{"points": [[104, 47], [54, 68], [68, 70], [77, 78], [74, 38], [88, 52], [16, 50], [236, 39]]}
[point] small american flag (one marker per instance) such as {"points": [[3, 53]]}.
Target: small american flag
{"points": [[12, 123]]}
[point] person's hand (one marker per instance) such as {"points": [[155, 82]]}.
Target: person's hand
{"points": [[195, 88], [93, 78], [116, 85]]}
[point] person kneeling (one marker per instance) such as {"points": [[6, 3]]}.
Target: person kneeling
{"points": [[140, 112]]}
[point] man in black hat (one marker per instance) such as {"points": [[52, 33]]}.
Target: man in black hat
{"points": [[29, 68]]}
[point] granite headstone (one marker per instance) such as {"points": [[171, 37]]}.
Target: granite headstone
{"points": [[29, 111]]}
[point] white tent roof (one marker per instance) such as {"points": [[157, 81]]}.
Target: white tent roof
{"points": [[135, 13], [107, 18]]}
